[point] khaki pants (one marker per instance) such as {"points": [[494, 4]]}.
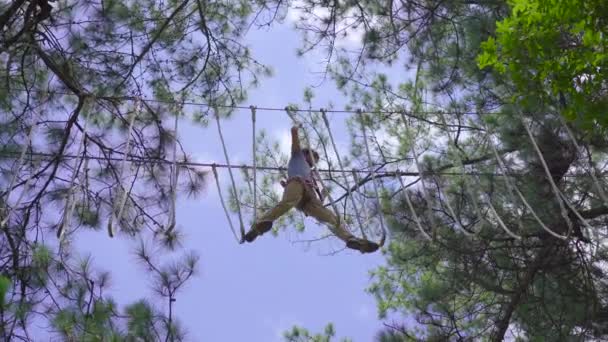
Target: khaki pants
{"points": [[300, 196]]}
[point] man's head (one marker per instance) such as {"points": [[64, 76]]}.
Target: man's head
{"points": [[312, 157]]}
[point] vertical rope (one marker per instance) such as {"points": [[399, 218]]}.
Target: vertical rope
{"points": [[409, 202], [467, 188], [593, 170], [374, 180], [219, 192], [85, 181], [123, 164], [451, 210], [554, 187], [425, 193], [70, 203], [513, 188], [174, 175], [20, 164], [348, 187], [254, 146], [453, 213], [249, 180], [411, 207], [236, 195]]}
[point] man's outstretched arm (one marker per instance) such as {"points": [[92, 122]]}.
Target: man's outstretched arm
{"points": [[295, 140]]}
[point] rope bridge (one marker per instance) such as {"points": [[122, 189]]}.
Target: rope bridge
{"points": [[371, 174]]}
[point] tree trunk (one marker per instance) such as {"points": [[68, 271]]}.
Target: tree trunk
{"points": [[507, 310]]}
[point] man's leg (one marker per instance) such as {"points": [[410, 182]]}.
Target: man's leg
{"points": [[316, 209], [291, 196]]}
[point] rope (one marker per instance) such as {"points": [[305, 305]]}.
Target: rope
{"points": [[554, 187], [451, 210], [236, 195], [412, 210], [348, 187], [269, 109], [174, 175], [593, 170], [558, 193], [453, 213], [409, 205], [248, 180], [219, 192], [155, 161], [255, 197], [467, 187], [425, 193], [20, 164], [125, 193], [70, 202], [374, 183], [85, 181], [513, 188]]}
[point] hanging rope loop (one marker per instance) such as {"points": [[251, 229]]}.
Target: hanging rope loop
{"points": [[549, 177], [70, 203], [425, 193], [234, 188], [124, 191], [174, 176], [593, 170], [561, 198], [513, 187], [344, 175], [254, 147], [7, 210], [223, 202], [467, 187]]}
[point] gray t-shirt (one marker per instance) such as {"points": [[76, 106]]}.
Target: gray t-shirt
{"points": [[298, 166]]}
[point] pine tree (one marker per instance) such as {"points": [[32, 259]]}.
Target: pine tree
{"points": [[490, 269], [89, 95]]}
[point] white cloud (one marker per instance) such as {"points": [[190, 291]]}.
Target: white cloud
{"points": [[349, 36]]}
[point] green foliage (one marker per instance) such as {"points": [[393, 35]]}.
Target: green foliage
{"points": [[463, 284], [473, 280], [140, 320], [299, 334], [5, 283], [76, 70], [555, 51]]}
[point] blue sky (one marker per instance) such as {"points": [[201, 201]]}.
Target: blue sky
{"points": [[254, 292]]}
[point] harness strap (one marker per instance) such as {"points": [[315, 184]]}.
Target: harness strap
{"points": [[304, 180]]}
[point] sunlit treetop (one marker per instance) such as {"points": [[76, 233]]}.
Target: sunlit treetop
{"points": [[555, 51]]}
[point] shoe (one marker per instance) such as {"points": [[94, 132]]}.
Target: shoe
{"points": [[257, 230], [363, 246], [251, 235], [263, 227]]}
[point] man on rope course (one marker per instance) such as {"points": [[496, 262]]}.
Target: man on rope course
{"points": [[301, 192]]}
